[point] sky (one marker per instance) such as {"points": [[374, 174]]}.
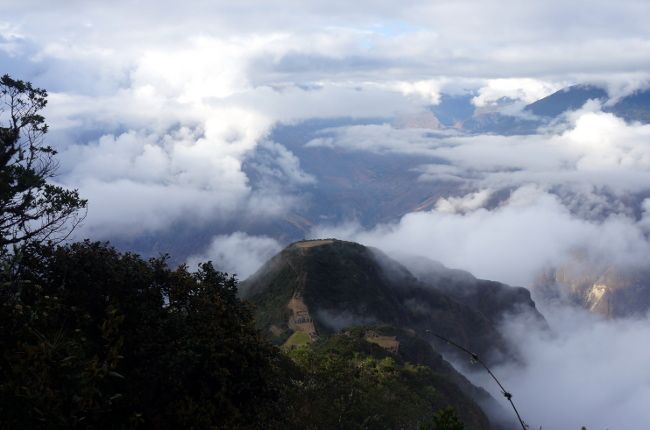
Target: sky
{"points": [[155, 98], [155, 106]]}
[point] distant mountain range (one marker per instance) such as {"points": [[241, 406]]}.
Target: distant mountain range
{"points": [[372, 188], [633, 107], [567, 99], [369, 187]]}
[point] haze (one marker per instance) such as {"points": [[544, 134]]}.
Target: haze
{"points": [[168, 117]]}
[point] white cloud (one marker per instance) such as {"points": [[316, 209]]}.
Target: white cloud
{"points": [[413, 41], [280, 165], [589, 372], [326, 99], [180, 97], [126, 209], [185, 118], [204, 67], [524, 89], [462, 204], [226, 75], [428, 90], [148, 180], [154, 122], [238, 253], [592, 148], [511, 243]]}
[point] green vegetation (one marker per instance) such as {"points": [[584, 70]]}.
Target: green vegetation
{"points": [[360, 284], [297, 339], [280, 287], [446, 419], [351, 381], [94, 338], [30, 207]]}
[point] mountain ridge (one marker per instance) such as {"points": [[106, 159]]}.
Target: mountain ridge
{"points": [[313, 290], [344, 282]]}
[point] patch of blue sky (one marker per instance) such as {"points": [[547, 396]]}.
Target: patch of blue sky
{"points": [[393, 28]]}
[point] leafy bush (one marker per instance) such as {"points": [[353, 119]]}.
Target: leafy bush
{"points": [[352, 384], [94, 338]]}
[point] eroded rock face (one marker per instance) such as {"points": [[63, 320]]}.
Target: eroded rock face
{"points": [[605, 289], [597, 299]]}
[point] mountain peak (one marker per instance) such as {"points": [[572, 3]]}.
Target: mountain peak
{"points": [[343, 284], [566, 99]]}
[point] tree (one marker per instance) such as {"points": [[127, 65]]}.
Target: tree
{"points": [[446, 419], [31, 208], [99, 339], [349, 383]]}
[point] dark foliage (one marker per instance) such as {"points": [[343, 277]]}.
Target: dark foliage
{"points": [[97, 339], [30, 207], [345, 278], [92, 338], [349, 383]]}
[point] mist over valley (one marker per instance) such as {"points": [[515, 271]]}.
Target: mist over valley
{"points": [[388, 184]]}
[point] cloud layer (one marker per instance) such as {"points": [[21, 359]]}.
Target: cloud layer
{"points": [[238, 253], [162, 112], [530, 231], [155, 122], [519, 203], [173, 102], [587, 372]]}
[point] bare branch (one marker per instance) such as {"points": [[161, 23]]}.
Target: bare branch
{"points": [[476, 359]]}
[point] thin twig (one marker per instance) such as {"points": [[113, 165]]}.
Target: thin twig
{"points": [[476, 358]]}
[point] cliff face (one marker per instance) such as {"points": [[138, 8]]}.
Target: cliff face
{"points": [[606, 289]]}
